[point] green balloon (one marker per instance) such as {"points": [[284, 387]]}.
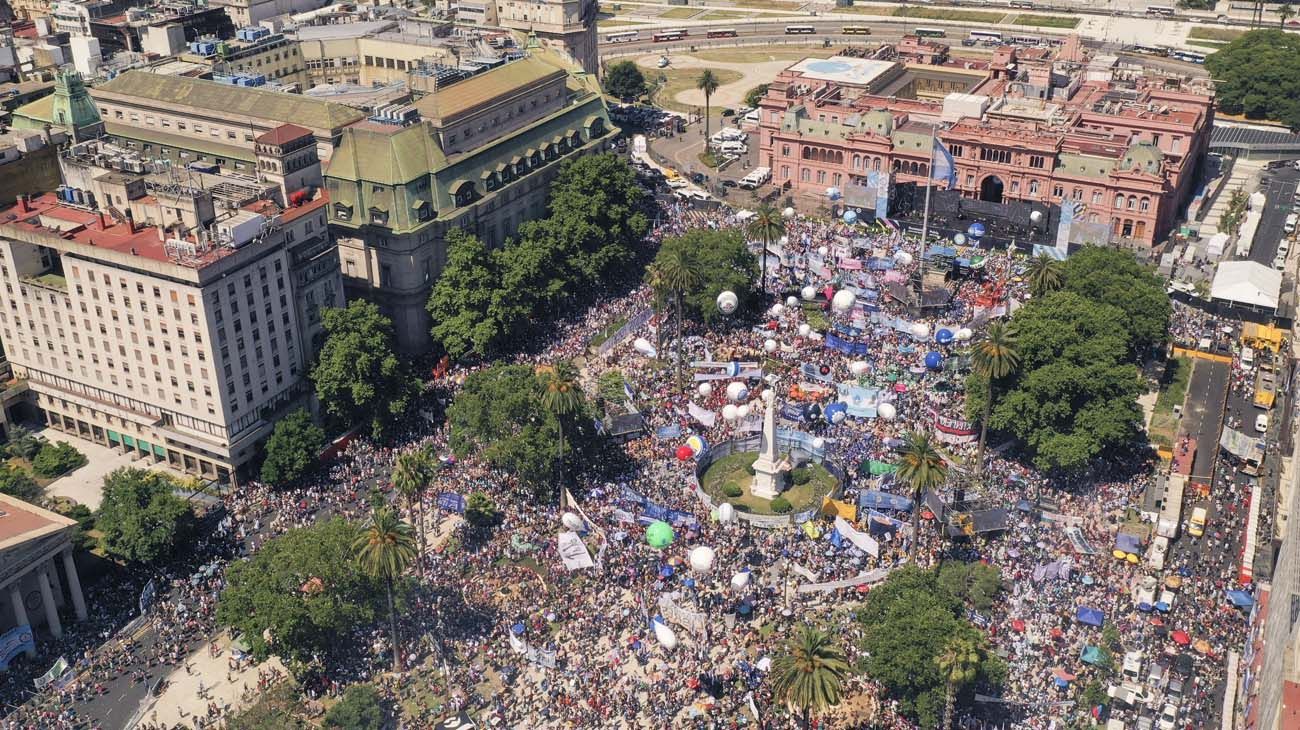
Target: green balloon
{"points": [[659, 535]]}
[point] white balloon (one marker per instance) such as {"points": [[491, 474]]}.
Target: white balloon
{"points": [[903, 258], [964, 334], [887, 411], [785, 240], [739, 581], [737, 391], [804, 329], [726, 513], [792, 301], [665, 635], [701, 559], [743, 411], [769, 345], [1036, 215], [920, 330], [787, 213], [819, 443], [959, 239], [643, 346], [706, 389], [859, 367], [571, 521], [727, 302], [808, 293], [815, 337], [777, 309], [823, 250], [729, 412], [843, 300]]}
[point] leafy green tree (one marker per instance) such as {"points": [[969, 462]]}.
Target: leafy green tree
{"points": [[994, 358], [498, 416], [293, 448], [907, 622], [1076, 393], [707, 82], [277, 708], [1258, 75], [465, 322], [674, 272], [598, 207], [23, 443], [56, 459], [809, 673], [922, 468], [1044, 275], [300, 593], [385, 549], [562, 398], [717, 261], [1115, 277], [141, 518], [959, 666], [480, 510], [624, 80], [360, 708], [767, 226], [359, 377], [976, 584], [756, 94], [16, 482], [413, 472]]}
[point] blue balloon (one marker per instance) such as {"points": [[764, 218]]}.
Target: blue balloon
{"points": [[976, 230], [943, 336], [933, 360], [850, 216], [835, 412]]}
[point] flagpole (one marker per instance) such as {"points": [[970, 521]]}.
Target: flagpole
{"points": [[925, 223]]}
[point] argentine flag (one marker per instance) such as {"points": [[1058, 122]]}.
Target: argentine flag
{"points": [[944, 168]]}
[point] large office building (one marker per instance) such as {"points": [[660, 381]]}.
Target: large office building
{"points": [[1039, 125], [476, 154], [564, 25], [167, 314]]}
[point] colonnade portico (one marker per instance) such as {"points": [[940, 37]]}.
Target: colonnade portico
{"points": [[38, 574]]}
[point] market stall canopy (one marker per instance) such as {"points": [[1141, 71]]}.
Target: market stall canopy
{"points": [[1091, 655], [1237, 443], [1248, 283], [1240, 599], [1090, 616]]}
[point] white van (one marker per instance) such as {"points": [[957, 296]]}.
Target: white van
{"points": [[1289, 225], [1261, 423], [1156, 554], [1132, 666], [1247, 357], [733, 148]]}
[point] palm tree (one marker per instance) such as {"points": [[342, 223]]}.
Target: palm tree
{"points": [[1284, 13], [708, 83], [562, 398], [809, 673], [1044, 275], [995, 357], [412, 475], [767, 225], [922, 468], [958, 664], [384, 550], [678, 272]]}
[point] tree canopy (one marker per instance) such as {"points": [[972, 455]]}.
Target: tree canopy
{"points": [[141, 518], [721, 262], [292, 449], [756, 94], [360, 708], [359, 377], [302, 591], [16, 482], [624, 80], [1115, 277], [908, 622], [1258, 75], [56, 459]]}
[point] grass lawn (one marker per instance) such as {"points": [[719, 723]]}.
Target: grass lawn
{"points": [[725, 15], [760, 55], [1212, 45], [1164, 424], [618, 23], [969, 16], [679, 80], [1214, 34], [766, 4], [1046, 21], [733, 469], [679, 13]]}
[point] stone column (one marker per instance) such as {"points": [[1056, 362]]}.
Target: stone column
{"points": [[20, 611], [74, 584], [47, 600]]}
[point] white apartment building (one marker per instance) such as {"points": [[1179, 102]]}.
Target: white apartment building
{"points": [[174, 342]]}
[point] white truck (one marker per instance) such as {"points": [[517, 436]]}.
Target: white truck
{"points": [[755, 178]]}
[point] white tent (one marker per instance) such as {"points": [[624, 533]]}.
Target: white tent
{"points": [[1217, 244], [1248, 283]]}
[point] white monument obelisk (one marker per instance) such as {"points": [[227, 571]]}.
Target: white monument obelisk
{"points": [[769, 468]]}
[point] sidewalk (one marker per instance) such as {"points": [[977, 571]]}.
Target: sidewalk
{"points": [[181, 700]]}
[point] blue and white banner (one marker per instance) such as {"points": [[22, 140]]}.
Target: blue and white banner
{"points": [[861, 402], [945, 169], [451, 502], [14, 642]]}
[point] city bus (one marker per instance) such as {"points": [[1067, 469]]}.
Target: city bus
{"points": [[855, 30], [1189, 56], [931, 32], [794, 29], [1150, 50], [1023, 4], [1026, 40], [1162, 10], [669, 35], [721, 33], [626, 36], [985, 36]]}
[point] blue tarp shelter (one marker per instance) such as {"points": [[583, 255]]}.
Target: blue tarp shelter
{"points": [[1240, 599], [1090, 616], [872, 499], [1128, 543], [1091, 655]]}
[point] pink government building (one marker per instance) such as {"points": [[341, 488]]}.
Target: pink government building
{"points": [[1036, 124]]}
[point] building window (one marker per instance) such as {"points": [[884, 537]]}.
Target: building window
{"points": [[1145, 205], [1058, 192], [1037, 162], [1033, 187]]}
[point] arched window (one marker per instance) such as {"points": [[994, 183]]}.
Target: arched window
{"points": [[857, 162], [464, 193], [1119, 201], [835, 179], [1033, 187], [1132, 202], [875, 164], [898, 166], [839, 158], [803, 174], [1145, 205]]}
